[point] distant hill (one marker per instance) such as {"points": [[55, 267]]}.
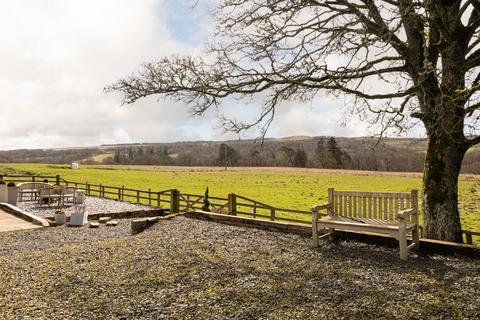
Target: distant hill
{"points": [[360, 153]]}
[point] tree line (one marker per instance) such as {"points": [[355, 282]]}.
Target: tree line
{"points": [[404, 155], [319, 152]]}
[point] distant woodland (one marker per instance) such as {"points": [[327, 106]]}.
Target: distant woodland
{"points": [[404, 155]]}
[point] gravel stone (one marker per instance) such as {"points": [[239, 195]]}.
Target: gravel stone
{"points": [[191, 269], [104, 219], [59, 236], [93, 205]]}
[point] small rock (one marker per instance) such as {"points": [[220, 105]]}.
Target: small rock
{"points": [[112, 223], [104, 219], [94, 225], [138, 225]]}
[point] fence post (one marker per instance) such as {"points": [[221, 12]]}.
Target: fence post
{"points": [[58, 179], [272, 214], [88, 188], [175, 201], [123, 193], [158, 199], [469, 238], [138, 196], [33, 178], [232, 204], [149, 197]]}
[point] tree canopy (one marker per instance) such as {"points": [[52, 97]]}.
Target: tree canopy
{"points": [[396, 59]]}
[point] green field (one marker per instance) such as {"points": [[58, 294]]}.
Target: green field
{"points": [[281, 187]]}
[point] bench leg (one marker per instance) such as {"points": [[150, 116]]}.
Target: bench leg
{"points": [[331, 233], [314, 234], [416, 237], [402, 240]]}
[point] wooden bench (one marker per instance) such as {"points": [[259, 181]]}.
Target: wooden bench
{"points": [[59, 194], [391, 213], [30, 189]]}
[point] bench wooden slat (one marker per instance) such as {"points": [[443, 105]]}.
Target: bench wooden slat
{"points": [[355, 213], [404, 195], [352, 225], [366, 213], [389, 202], [335, 208], [340, 209], [370, 214]]}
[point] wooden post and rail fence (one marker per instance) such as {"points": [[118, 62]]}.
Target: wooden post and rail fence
{"points": [[176, 201]]}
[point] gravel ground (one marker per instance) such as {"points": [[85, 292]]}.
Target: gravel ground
{"points": [[190, 269], [94, 205], [30, 240]]}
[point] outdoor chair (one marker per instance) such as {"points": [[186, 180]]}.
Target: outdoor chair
{"points": [[29, 190], [58, 194]]}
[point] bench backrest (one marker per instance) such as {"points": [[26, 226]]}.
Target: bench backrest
{"points": [[69, 190], [372, 205], [56, 190], [33, 185], [47, 191]]}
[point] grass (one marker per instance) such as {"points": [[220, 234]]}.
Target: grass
{"points": [[287, 188], [101, 157]]}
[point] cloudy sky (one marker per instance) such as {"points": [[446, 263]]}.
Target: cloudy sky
{"points": [[58, 55]]}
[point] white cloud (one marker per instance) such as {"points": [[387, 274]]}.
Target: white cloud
{"points": [[57, 56]]}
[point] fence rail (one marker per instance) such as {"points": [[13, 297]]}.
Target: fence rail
{"points": [[165, 198], [176, 201], [152, 198], [29, 178], [469, 236]]}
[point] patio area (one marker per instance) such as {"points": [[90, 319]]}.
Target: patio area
{"points": [[93, 205]]}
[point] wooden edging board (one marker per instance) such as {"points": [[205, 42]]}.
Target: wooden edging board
{"points": [[426, 245], [130, 214]]}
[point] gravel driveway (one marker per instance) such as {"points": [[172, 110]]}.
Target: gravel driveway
{"points": [[190, 269]]}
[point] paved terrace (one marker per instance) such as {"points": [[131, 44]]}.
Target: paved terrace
{"points": [[9, 222]]}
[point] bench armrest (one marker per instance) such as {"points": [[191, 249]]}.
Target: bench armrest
{"points": [[402, 215], [318, 207]]}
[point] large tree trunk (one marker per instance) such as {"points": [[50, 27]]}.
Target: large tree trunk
{"points": [[445, 153]]}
